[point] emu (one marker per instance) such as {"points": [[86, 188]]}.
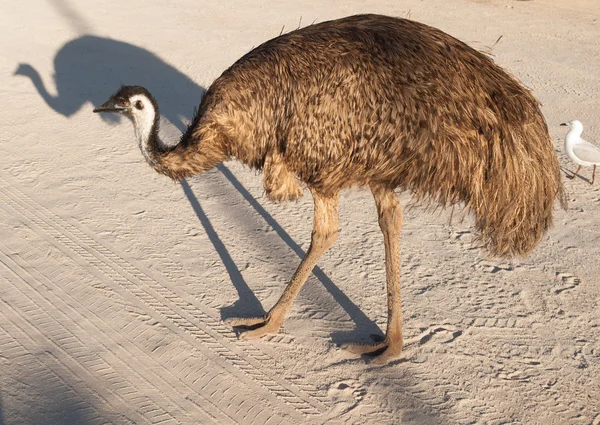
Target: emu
{"points": [[378, 102]]}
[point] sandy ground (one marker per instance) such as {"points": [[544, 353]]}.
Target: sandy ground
{"points": [[114, 280]]}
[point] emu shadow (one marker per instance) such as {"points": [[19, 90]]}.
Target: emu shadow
{"points": [[89, 69], [247, 300]]}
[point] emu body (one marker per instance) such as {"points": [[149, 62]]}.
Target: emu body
{"points": [[378, 102]]}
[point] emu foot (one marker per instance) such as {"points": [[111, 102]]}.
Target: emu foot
{"points": [[382, 352], [256, 326]]}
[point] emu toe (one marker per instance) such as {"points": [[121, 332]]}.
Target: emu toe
{"points": [[382, 352], [258, 326]]}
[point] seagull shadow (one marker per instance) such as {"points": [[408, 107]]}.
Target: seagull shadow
{"points": [[90, 68], [571, 175]]}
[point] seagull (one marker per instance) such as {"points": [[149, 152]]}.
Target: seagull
{"points": [[580, 151]]}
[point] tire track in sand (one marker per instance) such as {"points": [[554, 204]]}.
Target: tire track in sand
{"points": [[212, 335], [86, 336]]}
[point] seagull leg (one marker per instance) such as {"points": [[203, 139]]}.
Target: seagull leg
{"points": [[572, 176]]}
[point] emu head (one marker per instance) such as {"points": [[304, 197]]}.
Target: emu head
{"points": [[134, 102]]}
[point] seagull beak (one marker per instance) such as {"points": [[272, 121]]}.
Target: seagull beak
{"points": [[110, 106], [563, 124]]}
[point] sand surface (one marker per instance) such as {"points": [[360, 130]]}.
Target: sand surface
{"points": [[114, 280]]}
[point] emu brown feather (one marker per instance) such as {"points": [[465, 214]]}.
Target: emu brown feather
{"points": [[377, 100]]}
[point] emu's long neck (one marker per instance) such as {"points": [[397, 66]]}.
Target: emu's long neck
{"points": [[146, 124], [199, 149]]}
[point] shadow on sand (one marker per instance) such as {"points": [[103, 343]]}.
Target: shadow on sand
{"points": [[89, 68], [41, 403], [571, 175], [247, 301]]}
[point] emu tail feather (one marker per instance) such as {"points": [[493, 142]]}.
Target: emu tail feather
{"points": [[514, 206]]}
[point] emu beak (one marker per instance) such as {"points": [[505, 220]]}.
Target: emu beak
{"points": [[564, 123], [109, 106]]}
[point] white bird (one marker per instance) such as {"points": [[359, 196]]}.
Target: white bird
{"points": [[580, 151]]}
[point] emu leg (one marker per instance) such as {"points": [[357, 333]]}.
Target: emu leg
{"points": [[324, 235], [572, 176], [390, 222]]}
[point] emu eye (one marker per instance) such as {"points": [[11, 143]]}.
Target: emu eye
{"points": [[139, 104]]}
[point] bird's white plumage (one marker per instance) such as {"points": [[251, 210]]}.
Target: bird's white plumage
{"points": [[587, 154], [580, 151], [143, 122]]}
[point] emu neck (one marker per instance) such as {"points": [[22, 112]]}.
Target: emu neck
{"points": [[199, 149], [146, 124]]}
